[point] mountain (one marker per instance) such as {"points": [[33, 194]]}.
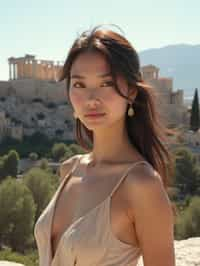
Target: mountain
{"points": [[180, 62]]}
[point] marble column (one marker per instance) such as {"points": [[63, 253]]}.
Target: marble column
{"points": [[10, 71], [156, 74], [14, 71], [34, 69]]}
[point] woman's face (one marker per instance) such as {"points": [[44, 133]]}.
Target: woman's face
{"points": [[92, 90]]}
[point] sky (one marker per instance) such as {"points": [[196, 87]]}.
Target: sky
{"points": [[47, 28]]}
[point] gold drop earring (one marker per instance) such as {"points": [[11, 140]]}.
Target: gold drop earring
{"points": [[131, 111]]}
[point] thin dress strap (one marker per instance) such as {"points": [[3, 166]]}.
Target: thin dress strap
{"points": [[71, 171], [75, 164], [125, 174]]}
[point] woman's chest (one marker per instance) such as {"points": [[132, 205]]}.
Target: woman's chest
{"points": [[85, 199]]}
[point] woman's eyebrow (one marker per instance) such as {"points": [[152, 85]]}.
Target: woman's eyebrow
{"points": [[75, 76]]}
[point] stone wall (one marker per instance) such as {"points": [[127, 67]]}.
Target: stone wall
{"points": [[28, 89]]}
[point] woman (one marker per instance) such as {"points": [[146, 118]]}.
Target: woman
{"points": [[112, 204]]}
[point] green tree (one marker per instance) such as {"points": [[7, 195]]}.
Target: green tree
{"points": [[17, 212], [11, 163], [33, 156], [42, 186], [195, 114], [58, 150], [187, 172], [1, 169], [43, 163], [188, 223], [72, 149], [76, 149]]}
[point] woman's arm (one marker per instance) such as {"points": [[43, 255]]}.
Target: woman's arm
{"points": [[152, 215]]}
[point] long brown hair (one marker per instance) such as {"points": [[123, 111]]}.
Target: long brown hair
{"points": [[146, 130]]}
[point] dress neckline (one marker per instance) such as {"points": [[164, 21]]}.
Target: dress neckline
{"points": [[107, 201], [59, 190]]}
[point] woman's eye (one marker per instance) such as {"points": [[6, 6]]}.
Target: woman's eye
{"points": [[77, 85], [104, 84], [108, 83]]}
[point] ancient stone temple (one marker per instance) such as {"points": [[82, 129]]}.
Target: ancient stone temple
{"points": [[28, 67], [170, 102]]}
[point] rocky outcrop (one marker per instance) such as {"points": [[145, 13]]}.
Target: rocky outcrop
{"points": [[9, 263], [187, 252]]}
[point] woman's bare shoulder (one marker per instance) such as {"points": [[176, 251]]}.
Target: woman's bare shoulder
{"points": [[67, 165]]}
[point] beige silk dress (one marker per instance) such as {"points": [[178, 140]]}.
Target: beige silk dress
{"points": [[88, 241]]}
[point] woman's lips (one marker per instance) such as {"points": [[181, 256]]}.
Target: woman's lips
{"points": [[95, 115]]}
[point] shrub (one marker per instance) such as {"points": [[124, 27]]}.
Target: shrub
{"points": [[188, 223], [29, 259], [17, 212]]}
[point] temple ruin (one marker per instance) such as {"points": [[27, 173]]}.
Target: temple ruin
{"points": [[28, 67]]}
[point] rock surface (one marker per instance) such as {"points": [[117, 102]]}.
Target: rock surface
{"points": [[187, 252], [9, 263]]}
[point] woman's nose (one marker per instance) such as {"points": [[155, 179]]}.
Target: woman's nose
{"points": [[93, 99], [93, 103]]}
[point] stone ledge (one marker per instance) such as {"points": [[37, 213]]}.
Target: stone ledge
{"points": [[9, 263], [187, 252]]}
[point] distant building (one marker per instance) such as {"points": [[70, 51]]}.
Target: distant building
{"points": [[171, 103], [28, 67]]}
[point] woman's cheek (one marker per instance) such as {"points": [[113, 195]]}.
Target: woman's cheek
{"points": [[113, 97], [117, 102], [76, 98]]}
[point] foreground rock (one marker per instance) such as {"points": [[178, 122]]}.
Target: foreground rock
{"points": [[187, 252], [9, 263]]}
